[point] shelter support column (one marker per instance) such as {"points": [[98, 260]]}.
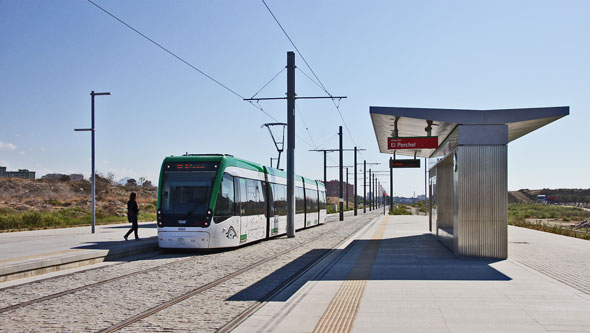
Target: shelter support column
{"points": [[481, 201], [472, 193]]}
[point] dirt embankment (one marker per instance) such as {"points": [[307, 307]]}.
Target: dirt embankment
{"points": [[50, 195]]}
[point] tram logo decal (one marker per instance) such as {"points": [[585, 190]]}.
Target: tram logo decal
{"points": [[181, 221], [231, 233]]}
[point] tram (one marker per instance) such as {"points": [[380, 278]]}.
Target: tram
{"points": [[220, 201]]}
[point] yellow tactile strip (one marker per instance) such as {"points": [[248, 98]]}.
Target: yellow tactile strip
{"points": [[341, 313]]}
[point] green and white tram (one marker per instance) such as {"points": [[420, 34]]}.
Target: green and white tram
{"points": [[218, 201]]}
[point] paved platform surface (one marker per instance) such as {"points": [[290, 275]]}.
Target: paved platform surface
{"points": [[396, 277], [29, 253]]}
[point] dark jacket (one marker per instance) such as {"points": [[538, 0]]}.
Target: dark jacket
{"points": [[132, 211]]}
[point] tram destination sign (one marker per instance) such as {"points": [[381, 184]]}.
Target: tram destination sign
{"points": [[191, 166], [393, 164], [420, 142]]}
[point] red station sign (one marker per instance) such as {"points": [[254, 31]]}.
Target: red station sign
{"points": [[421, 142]]}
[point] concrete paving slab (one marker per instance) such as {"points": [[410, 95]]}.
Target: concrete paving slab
{"points": [[417, 285], [29, 253]]}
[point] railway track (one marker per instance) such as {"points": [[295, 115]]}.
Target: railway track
{"points": [[251, 309], [194, 292], [75, 290]]}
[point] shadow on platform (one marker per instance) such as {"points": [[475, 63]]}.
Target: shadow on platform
{"points": [[142, 225], [419, 257]]}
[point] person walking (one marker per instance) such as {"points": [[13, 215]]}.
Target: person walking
{"points": [[132, 211]]}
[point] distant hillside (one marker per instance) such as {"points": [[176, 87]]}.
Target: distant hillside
{"points": [[48, 195], [570, 197]]}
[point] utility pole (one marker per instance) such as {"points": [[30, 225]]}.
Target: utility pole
{"points": [[370, 189], [325, 173], [340, 170], [290, 144], [355, 185], [364, 186], [347, 188], [375, 191], [92, 130], [291, 97], [325, 151], [425, 186], [390, 184]]}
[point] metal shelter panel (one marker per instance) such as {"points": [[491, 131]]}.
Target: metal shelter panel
{"points": [[412, 122], [469, 184], [481, 194]]}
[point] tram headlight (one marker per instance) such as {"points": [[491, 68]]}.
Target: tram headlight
{"points": [[159, 218]]}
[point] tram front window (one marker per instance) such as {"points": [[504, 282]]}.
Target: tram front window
{"points": [[187, 192]]}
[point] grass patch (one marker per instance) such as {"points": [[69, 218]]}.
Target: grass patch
{"points": [[11, 219]]}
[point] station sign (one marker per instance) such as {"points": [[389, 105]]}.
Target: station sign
{"points": [[393, 164], [420, 142]]}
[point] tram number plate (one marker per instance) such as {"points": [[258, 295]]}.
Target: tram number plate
{"points": [[180, 241]]}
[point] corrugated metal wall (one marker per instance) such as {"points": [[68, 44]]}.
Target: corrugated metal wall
{"points": [[481, 222], [445, 200]]}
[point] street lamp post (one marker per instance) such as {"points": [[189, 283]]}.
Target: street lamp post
{"points": [[92, 130]]}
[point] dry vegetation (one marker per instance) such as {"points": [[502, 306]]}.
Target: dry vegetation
{"points": [[568, 221], [44, 203]]}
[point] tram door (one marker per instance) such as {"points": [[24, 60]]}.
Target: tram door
{"points": [[242, 210]]}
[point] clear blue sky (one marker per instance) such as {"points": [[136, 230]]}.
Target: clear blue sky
{"points": [[443, 54]]}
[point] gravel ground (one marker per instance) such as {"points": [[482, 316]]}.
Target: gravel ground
{"points": [[102, 306]]}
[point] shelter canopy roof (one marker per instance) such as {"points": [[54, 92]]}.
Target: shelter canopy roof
{"points": [[412, 122]]}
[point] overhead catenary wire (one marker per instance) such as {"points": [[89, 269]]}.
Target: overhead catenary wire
{"points": [[323, 87], [269, 82], [306, 127], [180, 58]]}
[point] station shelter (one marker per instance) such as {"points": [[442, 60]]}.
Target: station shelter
{"points": [[468, 183]]}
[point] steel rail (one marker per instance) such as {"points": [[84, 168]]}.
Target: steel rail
{"points": [[208, 286], [71, 291], [234, 323]]}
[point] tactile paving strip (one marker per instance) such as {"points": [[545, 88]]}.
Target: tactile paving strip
{"points": [[341, 313]]}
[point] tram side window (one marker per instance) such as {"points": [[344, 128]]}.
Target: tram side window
{"points": [[224, 207], [322, 200], [299, 200], [243, 196], [254, 203], [261, 205], [308, 200], [279, 193], [314, 200]]}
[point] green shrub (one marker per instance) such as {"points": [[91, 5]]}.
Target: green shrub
{"points": [[400, 210]]}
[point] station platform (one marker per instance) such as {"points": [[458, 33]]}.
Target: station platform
{"points": [[394, 276], [29, 253]]}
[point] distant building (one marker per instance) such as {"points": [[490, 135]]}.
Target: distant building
{"points": [[21, 173], [61, 176]]}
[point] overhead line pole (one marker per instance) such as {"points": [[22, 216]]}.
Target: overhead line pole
{"points": [[355, 185], [390, 184], [340, 170], [290, 144], [375, 202], [364, 186], [370, 189], [346, 188], [325, 151], [291, 97], [325, 173]]}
